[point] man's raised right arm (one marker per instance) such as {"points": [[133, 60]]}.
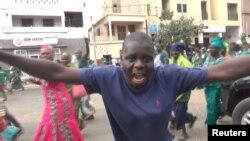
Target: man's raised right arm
{"points": [[44, 69]]}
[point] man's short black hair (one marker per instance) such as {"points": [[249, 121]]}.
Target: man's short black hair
{"points": [[138, 37]]}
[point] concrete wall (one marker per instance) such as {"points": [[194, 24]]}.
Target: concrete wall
{"points": [[123, 6], [246, 17], [105, 48], [246, 24], [220, 11], [73, 44], [232, 34], [37, 20], [216, 10]]}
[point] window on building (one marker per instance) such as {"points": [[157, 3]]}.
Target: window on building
{"points": [[33, 53], [165, 5], [232, 11], [182, 8], [148, 10], [205, 34], [98, 32], [179, 8], [21, 53], [73, 19], [113, 30], [121, 31], [116, 8], [27, 22], [204, 14], [48, 22], [131, 28]]}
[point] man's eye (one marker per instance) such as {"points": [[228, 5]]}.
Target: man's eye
{"points": [[147, 59], [131, 59]]}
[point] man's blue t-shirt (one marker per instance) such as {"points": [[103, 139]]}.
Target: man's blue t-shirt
{"points": [[141, 114]]}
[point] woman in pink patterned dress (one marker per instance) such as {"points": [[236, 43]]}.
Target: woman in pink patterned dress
{"points": [[58, 121]]}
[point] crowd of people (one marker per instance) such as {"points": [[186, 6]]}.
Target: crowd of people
{"points": [[10, 128], [79, 109], [195, 56], [144, 96]]}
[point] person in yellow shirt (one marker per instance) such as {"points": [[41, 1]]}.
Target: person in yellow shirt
{"points": [[181, 114]]}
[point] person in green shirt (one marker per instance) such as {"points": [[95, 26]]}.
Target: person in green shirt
{"points": [[245, 49], [162, 56], [82, 61], [104, 61], [3, 77], [17, 128]]}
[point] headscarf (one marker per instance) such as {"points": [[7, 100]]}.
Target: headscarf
{"points": [[49, 49], [217, 42], [239, 42], [247, 40], [66, 55], [66, 59], [46, 46], [177, 47]]}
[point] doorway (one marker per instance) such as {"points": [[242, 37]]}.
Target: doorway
{"points": [[121, 32]]}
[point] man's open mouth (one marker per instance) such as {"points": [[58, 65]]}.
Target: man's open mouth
{"points": [[138, 78]]}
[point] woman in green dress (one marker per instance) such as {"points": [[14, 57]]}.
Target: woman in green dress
{"points": [[212, 90]]}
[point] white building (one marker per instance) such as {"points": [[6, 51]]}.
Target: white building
{"points": [[27, 24]]}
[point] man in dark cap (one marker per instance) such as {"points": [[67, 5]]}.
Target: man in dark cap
{"points": [[181, 114]]}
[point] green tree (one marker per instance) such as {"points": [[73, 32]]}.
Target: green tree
{"points": [[175, 30]]}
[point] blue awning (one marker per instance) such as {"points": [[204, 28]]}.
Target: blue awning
{"points": [[154, 28]]}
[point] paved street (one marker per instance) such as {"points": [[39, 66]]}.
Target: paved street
{"points": [[27, 106]]}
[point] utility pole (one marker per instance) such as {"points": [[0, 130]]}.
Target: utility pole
{"points": [[85, 31], [147, 19], [93, 39], [156, 14]]}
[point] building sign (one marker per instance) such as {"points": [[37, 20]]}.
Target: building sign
{"points": [[154, 28], [214, 29], [34, 41]]}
